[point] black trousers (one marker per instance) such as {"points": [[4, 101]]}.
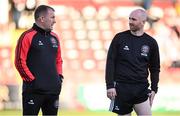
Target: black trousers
{"points": [[33, 102]]}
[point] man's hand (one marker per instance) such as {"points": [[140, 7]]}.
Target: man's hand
{"points": [[111, 93], [151, 97]]}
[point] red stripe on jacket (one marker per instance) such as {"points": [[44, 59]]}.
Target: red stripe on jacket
{"points": [[58, 57], [21, 52]]}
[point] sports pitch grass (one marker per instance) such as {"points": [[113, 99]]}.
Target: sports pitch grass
{"points": [[84, 113]]}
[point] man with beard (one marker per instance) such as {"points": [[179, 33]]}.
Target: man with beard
{"points": [[132, 55]]}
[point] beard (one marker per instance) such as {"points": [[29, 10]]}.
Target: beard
{"points": [[134, 28]]}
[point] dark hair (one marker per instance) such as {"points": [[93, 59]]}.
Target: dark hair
{"points": [[41, 9]]}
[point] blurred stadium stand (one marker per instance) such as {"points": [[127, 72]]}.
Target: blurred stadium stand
{"points": [[86, 28]]}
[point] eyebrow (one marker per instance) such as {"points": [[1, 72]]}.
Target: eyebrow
{"points": [[132, 18]]}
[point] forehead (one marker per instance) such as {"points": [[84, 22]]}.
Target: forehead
{"points": [[135, 15], [50, 12]]}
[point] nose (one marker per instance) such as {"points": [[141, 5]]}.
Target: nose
{"points": [[130, 21]]}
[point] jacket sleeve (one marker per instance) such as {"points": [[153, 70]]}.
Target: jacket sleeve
{"points": [[21, 52], [110, 64], [59, 60], [154, 67]]}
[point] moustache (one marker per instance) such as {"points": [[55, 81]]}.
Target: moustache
{"points": [[131, 24]]}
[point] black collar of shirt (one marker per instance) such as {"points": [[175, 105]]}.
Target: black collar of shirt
{"points": [[40, 30]]}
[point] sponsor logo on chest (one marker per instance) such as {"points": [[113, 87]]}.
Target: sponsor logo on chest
{"points": [[144, 50], [54, 42]]}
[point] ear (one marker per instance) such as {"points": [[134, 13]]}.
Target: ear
{"points": [[144, 21], [41, 19]]}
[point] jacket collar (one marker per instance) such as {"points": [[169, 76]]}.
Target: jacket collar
{"points": [[42, 31]]}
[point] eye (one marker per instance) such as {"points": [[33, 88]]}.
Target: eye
{"points": [[132, 19]]}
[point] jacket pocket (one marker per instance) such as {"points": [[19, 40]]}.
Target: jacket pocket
{"points": [[28, 86]]}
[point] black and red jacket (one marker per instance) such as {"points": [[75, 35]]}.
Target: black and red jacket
{"points": [[38, 61]]}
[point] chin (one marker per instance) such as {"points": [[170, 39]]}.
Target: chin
{"points": [[132, 29], [48, 29], [51, 28]]}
